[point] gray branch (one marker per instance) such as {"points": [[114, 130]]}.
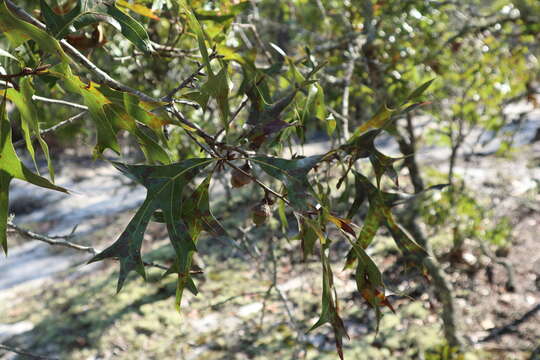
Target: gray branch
{"points": [[62, 241], [25, 353]]}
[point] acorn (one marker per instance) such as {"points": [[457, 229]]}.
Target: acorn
{"points": [[238, 178], [260, 213]]}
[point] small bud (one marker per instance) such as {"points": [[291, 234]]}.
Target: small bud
{"points": [[260, 213]]}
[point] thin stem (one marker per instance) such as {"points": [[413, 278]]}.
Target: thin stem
{"points": [[25, 353], [55, 241], [258, 182], [55, 127], [51, 241], [187, 80], [242, 105], [59, 102]]}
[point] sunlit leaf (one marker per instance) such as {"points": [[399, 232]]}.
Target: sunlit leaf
{"points": [[10, 23], [139, 9], [4, 53], [11, 167]]}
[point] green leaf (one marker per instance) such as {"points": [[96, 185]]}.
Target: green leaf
{"points": [[199, 97], [88, 12], [19, 29], [58, 24], [329, 311], [5, 179], [359, 196], [11, 167], [403, 240], [419, 91], [383, 164], [369, 281], [217, 87], [282, 215], [330, 124], [139, 9], [131, 29], [379, 120], [310, 232], [114, 110], [153, 152], [383, 117], [95, 101], [197, 215], [370, 227], [165, 185], [363, 146], [266, 119], [380, 205], [29, 119], [293, 174], [4, 53], [199, 33]]}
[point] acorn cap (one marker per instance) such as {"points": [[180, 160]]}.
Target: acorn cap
{"points": [[238, 178], [260, 213]]}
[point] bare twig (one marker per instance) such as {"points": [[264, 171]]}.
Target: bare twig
{"points": [[511, 327], [346, 92], [188, 80], [59, 102], [55, 127], [253, 29], [510, 282], [51, 241], [230, 298], [58, 242], [25, 353], [242, 105], [38, 70]]}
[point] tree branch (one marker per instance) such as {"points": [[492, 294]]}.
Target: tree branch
{"points": [[188, 80], [511, 327], [25, 353], [65, 243], [55, 127], [59, 102], [51, 241]]}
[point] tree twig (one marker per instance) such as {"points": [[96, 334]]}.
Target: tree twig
{"points": [[510, 282], [59, 102], [25, 353], [54, 127], [230, 298], [57, 241], [51, 241], [511, 327], [188, 80]]}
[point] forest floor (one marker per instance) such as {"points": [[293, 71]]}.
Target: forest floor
{"points": [[257, 297]]}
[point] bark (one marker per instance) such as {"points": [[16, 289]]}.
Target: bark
{"points": [[443, 287]]}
